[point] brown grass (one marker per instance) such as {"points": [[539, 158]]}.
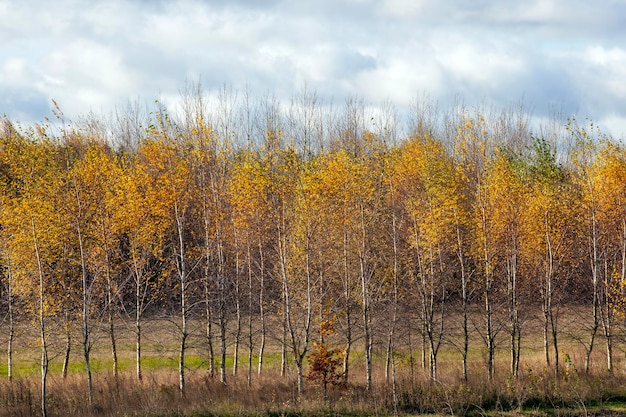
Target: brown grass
{"points": [[535, 392]]}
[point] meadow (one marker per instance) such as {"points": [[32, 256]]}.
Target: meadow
{"points": [[407, 390]]}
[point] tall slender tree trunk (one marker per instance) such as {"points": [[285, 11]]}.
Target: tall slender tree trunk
{"points": [[250, 309], [283, 347], [554, 332], [217, 194], [394, 385], [421, 273], [411, 353], [138, 370], [238, 326], [390, 362], [261, 307], [42, 326], [237, 285], [431, 338], [109, 306], [286, 301], [348, 299], [608, 335], [366, 302], [596, 295], [86, 342], [138, 313], [209, 326], [208, 302], [608, 317], [111, 321], [388, 352], [11, 320], [435, 327], [282, 254], [552, 318], [223, 325], [489, 335], [299, 347], [489, 329], [514, 322], [424, 332], [367, 328], [68, 344], [182, 272], [465, 299], [546, 324], [44, 365], [221, 277]]}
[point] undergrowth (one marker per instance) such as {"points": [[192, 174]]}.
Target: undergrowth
{"points": [[532, 393]]}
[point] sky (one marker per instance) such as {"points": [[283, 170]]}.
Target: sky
{"points": [[564, 57]]}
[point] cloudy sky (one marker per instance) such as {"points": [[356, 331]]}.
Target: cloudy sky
{"points": [[566, 56]]}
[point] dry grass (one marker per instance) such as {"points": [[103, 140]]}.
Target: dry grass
{"points": [[535, 392], [271, 395]]}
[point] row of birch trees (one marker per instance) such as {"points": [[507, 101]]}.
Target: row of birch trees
{"points": [[266, 222]]}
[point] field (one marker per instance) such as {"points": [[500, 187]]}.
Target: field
{"points": [[535, 392]]}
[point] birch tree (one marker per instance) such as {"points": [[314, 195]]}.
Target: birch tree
{"points": [[550, 228]]}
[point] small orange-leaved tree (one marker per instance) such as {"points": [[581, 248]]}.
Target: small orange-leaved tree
{"points": [[325, 361]]}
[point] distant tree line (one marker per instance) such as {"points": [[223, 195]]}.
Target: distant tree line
{"points": [[265, 219]]}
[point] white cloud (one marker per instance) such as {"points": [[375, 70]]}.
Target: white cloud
{"points": [[403, 8], [15, 71], [483, 63], [609, 66], [400, 81], [84, 75], [614, 123]]}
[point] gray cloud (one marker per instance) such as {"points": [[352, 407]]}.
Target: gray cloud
{"points": [[93, 55], [24, 103]]}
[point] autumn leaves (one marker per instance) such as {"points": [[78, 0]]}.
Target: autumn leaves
{"points": [[266, 240]]}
